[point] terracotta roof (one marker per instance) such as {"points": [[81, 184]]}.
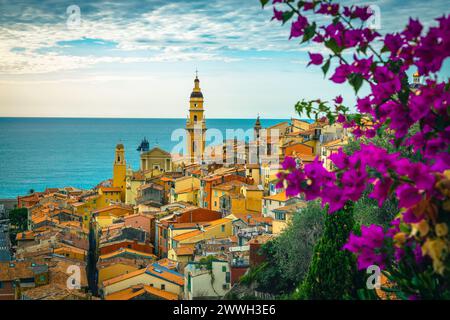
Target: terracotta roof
{"points": [[227, 186], [184, 250], [126, 250], [111, 189], [70, 249], [261, 239], [136, 291], [194, 233], [190, 189], [334, 143], [167, 263], [123, 277], [13, 270], [138, 175], [278, 197], [53, 291], [166, 274], [292, 207], [116, 206], [306, 157], [26, 235]]}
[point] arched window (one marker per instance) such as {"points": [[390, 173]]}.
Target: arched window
{"points": [[118, 158], [195, 118]]}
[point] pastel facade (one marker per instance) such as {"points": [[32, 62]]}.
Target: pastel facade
{"points": [[203, 282], [269, 203], [154, 276], [284, 215], [185, 190], [156, 159], [221, 228]]}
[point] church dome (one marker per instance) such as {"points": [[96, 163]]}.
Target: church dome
{"points": [[196, 94]]}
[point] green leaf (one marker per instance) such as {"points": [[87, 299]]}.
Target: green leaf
{"points": [[309, 32], [356, 81], [333, 46], [384, 49], [326, 67], [287, 15], [263, 2], [331, 118]]}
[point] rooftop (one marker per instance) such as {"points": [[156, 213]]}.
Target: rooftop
{"points": [[138, 290]]}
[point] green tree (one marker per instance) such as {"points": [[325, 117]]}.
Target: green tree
{"points": [[332, 273], [18, 220], [288, 256], [294, 247]]}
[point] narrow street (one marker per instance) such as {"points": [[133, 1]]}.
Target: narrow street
{"points": [[91, 268]]}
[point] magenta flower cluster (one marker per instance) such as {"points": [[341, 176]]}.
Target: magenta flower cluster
{"points": [[392, 104]]}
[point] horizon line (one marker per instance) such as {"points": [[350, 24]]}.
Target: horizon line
{"points": [[97, 117]]}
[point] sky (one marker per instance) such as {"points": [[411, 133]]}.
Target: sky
{"points": [[137, 59]]}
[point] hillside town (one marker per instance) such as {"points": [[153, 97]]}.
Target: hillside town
{"points": [[179, 227]]}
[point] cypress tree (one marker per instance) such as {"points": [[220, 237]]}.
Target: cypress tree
{"points": [[332, 273]]}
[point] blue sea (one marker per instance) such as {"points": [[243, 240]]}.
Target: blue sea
{"points": [[36, 153]]}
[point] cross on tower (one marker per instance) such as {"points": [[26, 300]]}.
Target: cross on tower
{"points": [[196, 73]]}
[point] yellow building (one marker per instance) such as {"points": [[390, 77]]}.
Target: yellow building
{"points": [[108, 196], [84, 209], [195, 125], [105, 217], [156, 159], [221, 228], [182, 254], [236, 197], [133, 181], [327, 149], [269, 173], [186, 190], [114, 270], [120, 171], [284, 215], [154, 275]]}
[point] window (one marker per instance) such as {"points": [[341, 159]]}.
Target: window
{"points": [[280, 216], [223, 228], [228, 278], [215, 193], [163, 287], [224, 269], [195, 118], [215, 203], [1, 284]]}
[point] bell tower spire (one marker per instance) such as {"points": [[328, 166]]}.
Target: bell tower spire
{"points": [[195, 124], [119, 170]]}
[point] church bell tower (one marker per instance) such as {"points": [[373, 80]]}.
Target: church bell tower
{"points": [[195, 125], [120, 170]]}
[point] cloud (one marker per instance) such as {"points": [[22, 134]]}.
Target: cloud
{"points": [[34, 37]]}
